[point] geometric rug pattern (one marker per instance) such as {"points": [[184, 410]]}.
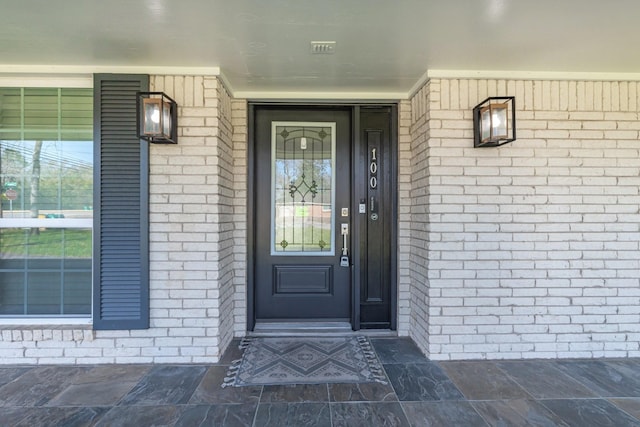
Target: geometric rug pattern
{"points": [[302, 360]]}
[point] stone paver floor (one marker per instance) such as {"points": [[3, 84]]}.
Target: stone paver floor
{"points": [[580, 393]]}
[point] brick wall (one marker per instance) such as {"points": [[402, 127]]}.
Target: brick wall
{"points": [[533, 248], [48, 344], [191, 223], [240, 171], [404, 218], [419, 215], [196, 261]]}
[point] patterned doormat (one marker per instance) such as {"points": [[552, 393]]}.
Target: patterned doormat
{"points": [[302, 360]]}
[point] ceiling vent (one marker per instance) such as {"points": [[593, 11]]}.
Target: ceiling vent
{"points": [[325, 48]]}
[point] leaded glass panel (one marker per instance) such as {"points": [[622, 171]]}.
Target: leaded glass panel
{"points": [[303, 188]]}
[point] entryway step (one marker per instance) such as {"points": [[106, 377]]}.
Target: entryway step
{"points": [[306, 329], [301, 328]]}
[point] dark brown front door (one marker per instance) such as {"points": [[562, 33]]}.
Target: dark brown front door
{"points": [[302, 215]]}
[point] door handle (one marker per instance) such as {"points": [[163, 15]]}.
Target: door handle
{"points": [[344, 259]]}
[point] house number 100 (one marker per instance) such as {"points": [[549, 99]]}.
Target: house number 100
{"points": [[373, 169]]}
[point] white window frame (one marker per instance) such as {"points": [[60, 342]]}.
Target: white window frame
{"points": [[53, 81]]}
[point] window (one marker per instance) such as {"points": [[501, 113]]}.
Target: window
{"points": [[46, 184]]}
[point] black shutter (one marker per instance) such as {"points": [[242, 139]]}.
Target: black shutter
{"points": [[121, 206]]}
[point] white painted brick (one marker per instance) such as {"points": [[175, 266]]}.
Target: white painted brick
{"points": [[564, 233], [192, 351], [456, 339], [481, 348], [42, 352], [160, 352], [551, 222], [12, 353], [83, 352]]}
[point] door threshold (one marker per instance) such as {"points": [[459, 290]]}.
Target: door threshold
{"points": [[311, 329], [301, 328]]}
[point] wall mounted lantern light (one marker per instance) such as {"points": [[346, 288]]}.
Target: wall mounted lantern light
{"points": [[494, 122], [157, 118]]}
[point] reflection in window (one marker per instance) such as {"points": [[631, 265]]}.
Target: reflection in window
{"points": [[46, 173], [45, 273], [303, 182]]}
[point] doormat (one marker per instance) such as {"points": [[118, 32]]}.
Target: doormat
{"points": [[302, 360]]}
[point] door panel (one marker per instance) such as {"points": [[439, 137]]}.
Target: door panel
{"points": [[302, 184], [376, 231]]}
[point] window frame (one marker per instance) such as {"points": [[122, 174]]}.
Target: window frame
{"points": [[50, 81]]}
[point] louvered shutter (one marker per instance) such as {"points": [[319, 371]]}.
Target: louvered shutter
{"points": [[121, 207]]}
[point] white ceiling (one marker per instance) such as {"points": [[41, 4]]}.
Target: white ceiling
{"points": [[383, 46]]}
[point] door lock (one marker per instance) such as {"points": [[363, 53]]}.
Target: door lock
{"points": [[344, 229]]}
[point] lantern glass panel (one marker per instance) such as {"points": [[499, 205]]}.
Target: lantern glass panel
{"points": [[485, 124], [499, 123], [151, 124], [166, 119]]}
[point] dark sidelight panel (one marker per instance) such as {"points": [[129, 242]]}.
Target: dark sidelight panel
{"points": [[377, 248]]}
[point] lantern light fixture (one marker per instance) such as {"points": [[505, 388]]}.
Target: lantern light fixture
{"points": [[157, 118], [494, 122]]}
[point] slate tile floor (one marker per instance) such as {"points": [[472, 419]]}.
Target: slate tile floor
{"points": [[580, 393]]}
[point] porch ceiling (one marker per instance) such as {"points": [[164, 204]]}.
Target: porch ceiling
{"points": [[384, 47]]}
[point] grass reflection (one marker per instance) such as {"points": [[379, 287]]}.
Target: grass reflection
{"points": [[65, 243]]}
